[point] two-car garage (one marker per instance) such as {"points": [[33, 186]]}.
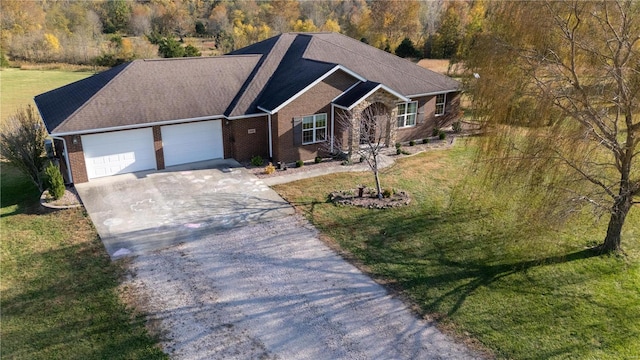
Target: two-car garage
{"points": [[128, 151]]}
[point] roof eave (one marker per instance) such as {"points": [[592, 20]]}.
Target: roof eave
{"points": [[434, 93], [378, 87], [314, 83], [137, 126]]}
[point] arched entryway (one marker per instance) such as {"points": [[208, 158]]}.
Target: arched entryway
{"points": [[374, 123]]}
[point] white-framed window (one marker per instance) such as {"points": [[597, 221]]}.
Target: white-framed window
{"points": [[440, 102], [314, 128], [407, 114]]}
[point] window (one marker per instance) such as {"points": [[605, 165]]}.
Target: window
{"points": [[440, 101], [407, 113], [314, 128]]}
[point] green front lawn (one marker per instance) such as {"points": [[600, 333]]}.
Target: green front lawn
{"points": [[467, 258], [18, 87], [59, 290]]}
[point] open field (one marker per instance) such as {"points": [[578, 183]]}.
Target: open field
{"points": [[18, 87], [464, 256]]}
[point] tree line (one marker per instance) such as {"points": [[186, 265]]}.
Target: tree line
{"points": [[110, 31]]}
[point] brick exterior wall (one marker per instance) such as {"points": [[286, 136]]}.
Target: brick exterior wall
{"points": [[316, 100], [427, 120], [275, 140], [247, 138], [157, 146], [76, 159]]}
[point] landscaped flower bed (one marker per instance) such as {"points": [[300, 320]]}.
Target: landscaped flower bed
{"points": [[367, 198]]}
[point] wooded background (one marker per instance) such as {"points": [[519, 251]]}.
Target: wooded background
{"points": [[108, 32]]}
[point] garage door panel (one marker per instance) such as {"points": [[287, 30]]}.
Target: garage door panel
{"points": [[118, 152], [186, 143]]}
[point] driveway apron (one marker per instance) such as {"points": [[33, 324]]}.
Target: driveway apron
{"points": [[140, 212]]}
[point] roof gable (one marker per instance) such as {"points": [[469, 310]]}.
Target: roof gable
{"points": [[57, 105], [261, 77], [310, 56], [272, 51], [150, 91], [356, 94]]}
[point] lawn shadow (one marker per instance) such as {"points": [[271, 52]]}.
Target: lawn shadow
{"points": [[439, 257], [16, 190], [66, 305], [482, 275]]}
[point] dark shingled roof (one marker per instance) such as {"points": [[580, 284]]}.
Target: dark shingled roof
{"points": [[376, 65], [272, 51], [263, 75], [356, 93], [293, 74], [147, 91], [309, 54], [57, 105]]}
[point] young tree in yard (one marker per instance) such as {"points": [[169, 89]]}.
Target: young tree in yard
{"points": [[559, 91], [366, 135], [22, 138], [54, 181]]}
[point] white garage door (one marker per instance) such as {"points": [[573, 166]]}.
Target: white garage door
{"points": [[118, 152], [186, 143]]}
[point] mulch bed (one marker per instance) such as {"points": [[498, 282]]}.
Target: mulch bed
{"points": [[369, 198], [70, 199]]}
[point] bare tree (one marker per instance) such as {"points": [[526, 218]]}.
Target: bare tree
{"points": [[566, 74], [22, 138], [362, 135]]}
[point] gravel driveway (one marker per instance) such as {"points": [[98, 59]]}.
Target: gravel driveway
{"points": [[272, 290]]}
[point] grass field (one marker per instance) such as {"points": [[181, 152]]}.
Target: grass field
{"points": [[59, 289], [18, 87], [464, 256], [59, 295]]}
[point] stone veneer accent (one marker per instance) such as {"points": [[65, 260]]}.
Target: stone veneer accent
{"points": [[389, 101]]}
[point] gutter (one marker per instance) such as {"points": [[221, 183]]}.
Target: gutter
{"points": [[66, 156], [270, 138]]}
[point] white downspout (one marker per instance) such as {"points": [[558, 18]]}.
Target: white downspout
{"points": [[270, 138], [333, 132], [66, 157]]}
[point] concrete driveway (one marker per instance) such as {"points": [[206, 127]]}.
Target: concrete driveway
{"points": [[145, 211], [224, 269]]}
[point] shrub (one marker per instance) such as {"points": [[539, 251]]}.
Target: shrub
{"points": [[4, 62], [398, 151], [412, 143], [299, 163], [257, 161], [398, 145], [406, 152], [435, 132], [55, 183], [457, 127], [425, 141], [170, 48], [269, 169], [191, 51], [388, 192], [442, 135], [318, 160]]}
